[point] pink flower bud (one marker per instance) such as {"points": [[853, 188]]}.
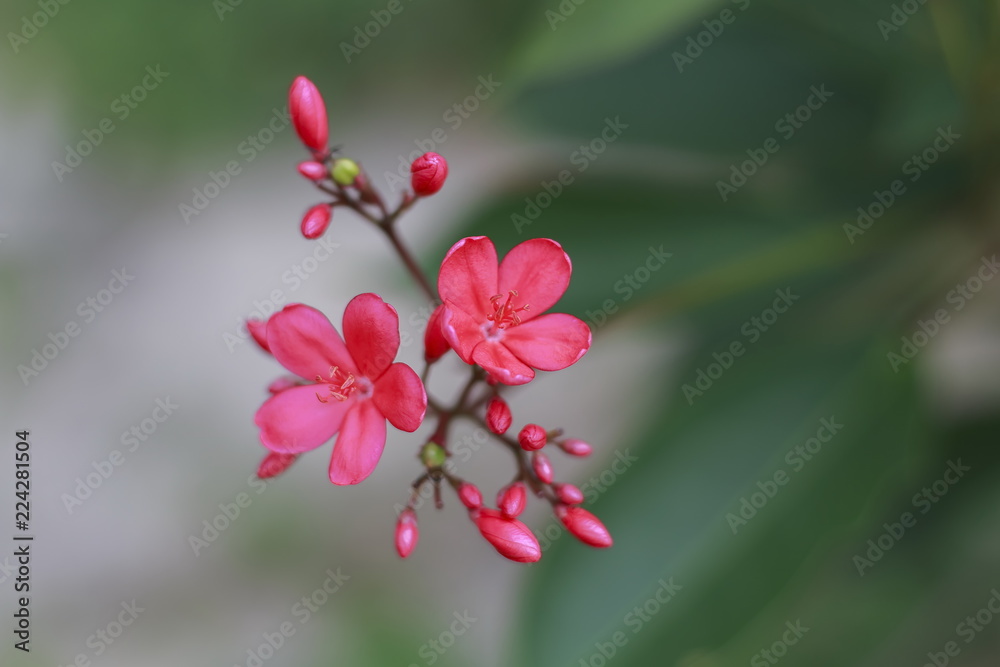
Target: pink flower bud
{"points": [[470, 496], [274, 464], [407, 534], [308, 112], [316, 220], [258, 329], [511, 538], [569, 494], [584, 526], [427, 174], [498, 415], [512, 499], [542, 467], [314, 171], [435, 344], [283, 383], [576, 447], [532, 437]]}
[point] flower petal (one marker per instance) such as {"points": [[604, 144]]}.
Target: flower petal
{"points": [[400, 396], [294, 420], [550, 342], [258, 329], [461, 331], [539, 270], [302, 340], [371, 330], [468, 276], [359, 445], [501, 363]]}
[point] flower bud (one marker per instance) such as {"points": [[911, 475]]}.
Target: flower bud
{"points": [[542, 466], [308, 112], [427, 174], [283, 383], [511, 538], [407, 534], [433, 455], [512, 499], [575, 447], [314, 171], [470, 496], [344, 171], [316, 220], [435, 344], [584, 526], [532, 437], [498, 415], [274, 464], [569, 494], [258, 329]]}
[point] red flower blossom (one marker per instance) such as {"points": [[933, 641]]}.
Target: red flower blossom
{"points": [[494, 312], [354, 385]]}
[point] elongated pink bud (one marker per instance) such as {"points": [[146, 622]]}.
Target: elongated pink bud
{"points": [[569, 494], [314, 171], [316, 220], [427, 174], [470, 496], [542, 466], [511, 538], [498, 415], [584, 526], [435, 344], [407, 534], [274, 464], [532, 437], [576, 447], [512, 499], [258, 329], [308, 112]]}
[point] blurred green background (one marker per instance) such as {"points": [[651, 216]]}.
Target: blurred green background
{"points": [[842, 154]]}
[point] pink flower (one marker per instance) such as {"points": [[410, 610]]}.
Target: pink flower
{"points": [[435, 344], [494, 313], [354, 386]]}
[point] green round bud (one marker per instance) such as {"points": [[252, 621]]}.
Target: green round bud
{"points": [[344, 171], [433, 455]]}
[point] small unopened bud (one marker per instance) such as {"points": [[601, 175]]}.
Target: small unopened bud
{"points": [[314, 171], [576, 447], [470, 496], [532, 437], [498, 415], [344, 171], [308, 112], [512, 499], [542, 466], [511, 538], [316, 220], [433, 455], [435, 344], [258, 330], [283, 383], [569, 494], [584, 526], [427, 174], [274, 464], [407, 533]]}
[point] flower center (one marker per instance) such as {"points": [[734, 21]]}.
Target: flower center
{"points": [[341, 385], [505, 313]]}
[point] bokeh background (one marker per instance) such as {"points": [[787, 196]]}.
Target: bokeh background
{"points": [[717, 503]]}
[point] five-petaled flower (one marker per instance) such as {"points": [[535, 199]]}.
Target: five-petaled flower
{"points": [[354, 386], [493, 313]]}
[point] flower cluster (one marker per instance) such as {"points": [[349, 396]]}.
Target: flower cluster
{"points": [[347, 384]]}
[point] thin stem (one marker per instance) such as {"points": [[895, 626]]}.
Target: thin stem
{"points": [[410, 262]]}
